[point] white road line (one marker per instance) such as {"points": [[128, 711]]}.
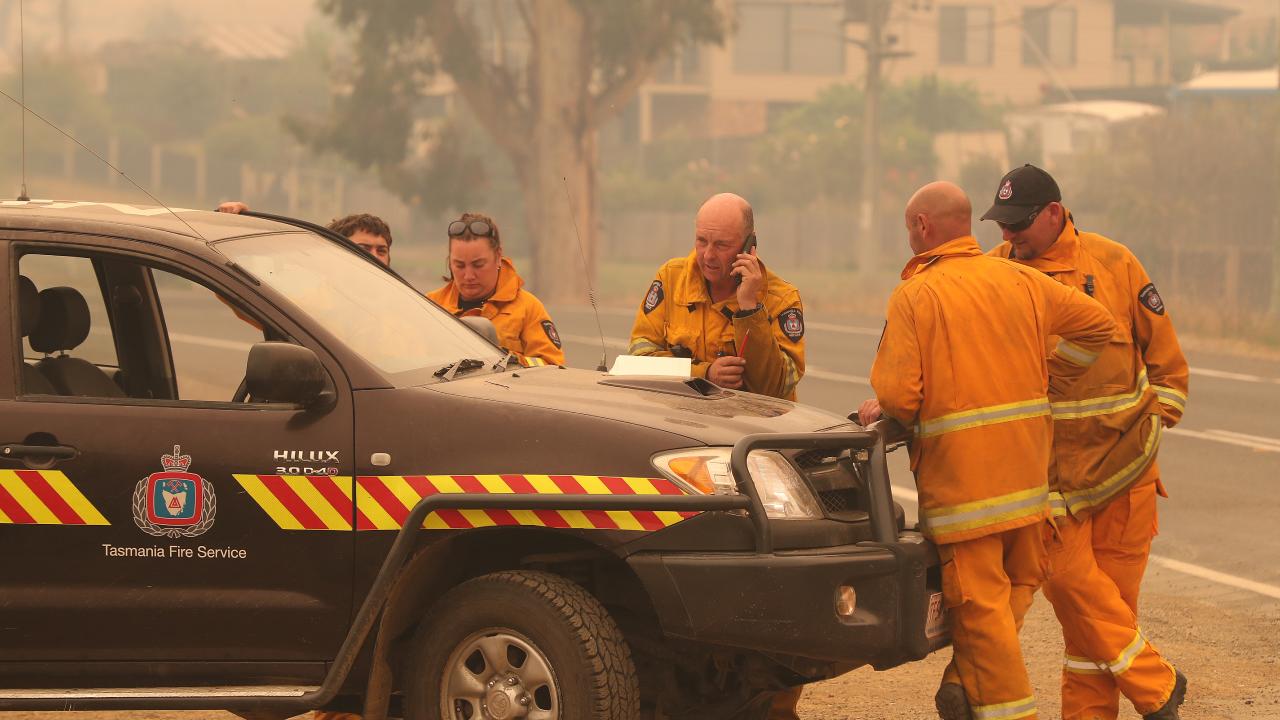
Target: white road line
{"points": [[616, 343], [1224, 436], [847, 329], [1204, 573], [181, 338], [1225, 375], [1219, 577], [1244, 436], [813, 372]]}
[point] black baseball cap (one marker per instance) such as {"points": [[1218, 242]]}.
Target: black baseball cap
{"points": [[1021, 191]]}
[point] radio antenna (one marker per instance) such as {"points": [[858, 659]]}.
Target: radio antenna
{"points": [[22, 91], [586, 273], [101, 159]]}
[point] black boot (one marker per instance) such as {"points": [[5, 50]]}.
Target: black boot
{"points": [[952, 703], [1169, 711]]}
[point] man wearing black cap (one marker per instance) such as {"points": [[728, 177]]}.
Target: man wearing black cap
{"points": [[1103, 476]]}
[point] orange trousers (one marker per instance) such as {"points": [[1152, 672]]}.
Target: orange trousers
{"points": [[1098, 562], [988, 585]]}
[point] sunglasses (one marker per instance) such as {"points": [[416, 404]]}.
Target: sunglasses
{"points": [[1022, 224], [478, 228]]}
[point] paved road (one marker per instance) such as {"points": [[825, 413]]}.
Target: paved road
{"points": [[1221, 465]]}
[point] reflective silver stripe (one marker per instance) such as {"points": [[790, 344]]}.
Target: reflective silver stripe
{"points": [[1057, 505], [791, 375], [1006, 711], [991, 415], [1120, 664], [967, 516], [643, 347], [1074, 354], [1105, 405], [1083, 666], [1169, 396], [1125, 660], [1078, 500]]}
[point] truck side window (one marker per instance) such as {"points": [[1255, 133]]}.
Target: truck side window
{"points": [[99, 326], [208, 337], [46, 272]]}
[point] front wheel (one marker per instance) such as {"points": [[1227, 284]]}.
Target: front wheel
{"points": [[520, 644]]}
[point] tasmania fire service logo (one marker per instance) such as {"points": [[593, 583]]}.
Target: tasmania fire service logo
{"points": [[792, 323], [1006, 190], [653, 298], [174, 503]]}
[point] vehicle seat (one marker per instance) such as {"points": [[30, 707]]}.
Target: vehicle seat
{"points": [[33, 382], [64, 324]]}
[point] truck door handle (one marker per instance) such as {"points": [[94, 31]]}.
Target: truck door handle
{"points": [[38, 455]]}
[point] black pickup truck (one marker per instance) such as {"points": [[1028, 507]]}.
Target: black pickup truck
{"points": [[245, 467]]}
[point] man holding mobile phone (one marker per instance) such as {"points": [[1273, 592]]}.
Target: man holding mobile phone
{"points": [[742, 325]]}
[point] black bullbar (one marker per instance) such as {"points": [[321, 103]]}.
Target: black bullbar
{"points": [[785, 602]]}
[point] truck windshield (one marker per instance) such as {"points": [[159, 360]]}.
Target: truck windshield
{"points": [[393, 327]]}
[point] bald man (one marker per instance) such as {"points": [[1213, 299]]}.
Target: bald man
{"points": [[963, 362], [742, 325]]}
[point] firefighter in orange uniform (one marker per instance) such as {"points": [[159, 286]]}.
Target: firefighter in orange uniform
{"points": [[1106, 432], [484, 282], [963, 361], [705, 305]]}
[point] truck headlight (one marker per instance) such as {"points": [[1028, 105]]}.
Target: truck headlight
{"points": [[783, 492], [703, 471], [706, 471]]}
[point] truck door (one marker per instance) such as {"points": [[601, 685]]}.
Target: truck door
{"points": [[140, 503]]}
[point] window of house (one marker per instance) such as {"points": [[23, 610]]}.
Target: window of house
{"points": [[964, 34], [789, 37], [1049, 33], [683, 65]]}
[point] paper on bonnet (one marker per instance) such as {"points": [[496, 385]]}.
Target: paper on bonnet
{"points": [[651, 365]]}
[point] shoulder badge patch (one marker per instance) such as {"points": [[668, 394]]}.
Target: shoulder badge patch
{"points": [[654, 297], [1150, 299], [174, 503], [550, 329], [792, 323]]}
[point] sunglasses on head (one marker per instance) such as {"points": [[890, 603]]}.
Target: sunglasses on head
{"points": [[477, 228], [1023, 224]]}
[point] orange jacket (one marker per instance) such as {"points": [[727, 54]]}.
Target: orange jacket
{"points": [[963, 361], [523, 325], [1106, 431], [677, 310]]}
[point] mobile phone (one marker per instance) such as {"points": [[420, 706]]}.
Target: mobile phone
{"points": [[747, 246]]}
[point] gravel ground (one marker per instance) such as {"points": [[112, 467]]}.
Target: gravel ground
{"points": [[1227, 642]]}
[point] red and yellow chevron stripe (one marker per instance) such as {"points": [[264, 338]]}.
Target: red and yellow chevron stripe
{"points": [[383, 502], [44, 497]]}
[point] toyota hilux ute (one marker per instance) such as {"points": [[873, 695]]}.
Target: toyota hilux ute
{"points": [[243, 466]]}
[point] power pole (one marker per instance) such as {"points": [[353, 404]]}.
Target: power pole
{"points": [[1273, 312], [876, 48]]}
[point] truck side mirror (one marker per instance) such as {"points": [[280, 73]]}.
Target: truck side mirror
{"points": [[483, 327], [287, 373]]}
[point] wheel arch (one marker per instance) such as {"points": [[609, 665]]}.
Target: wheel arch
{"points": [[442, 565]]}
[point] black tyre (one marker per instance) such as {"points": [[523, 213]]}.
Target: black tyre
{"points": [[520, 644]]}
